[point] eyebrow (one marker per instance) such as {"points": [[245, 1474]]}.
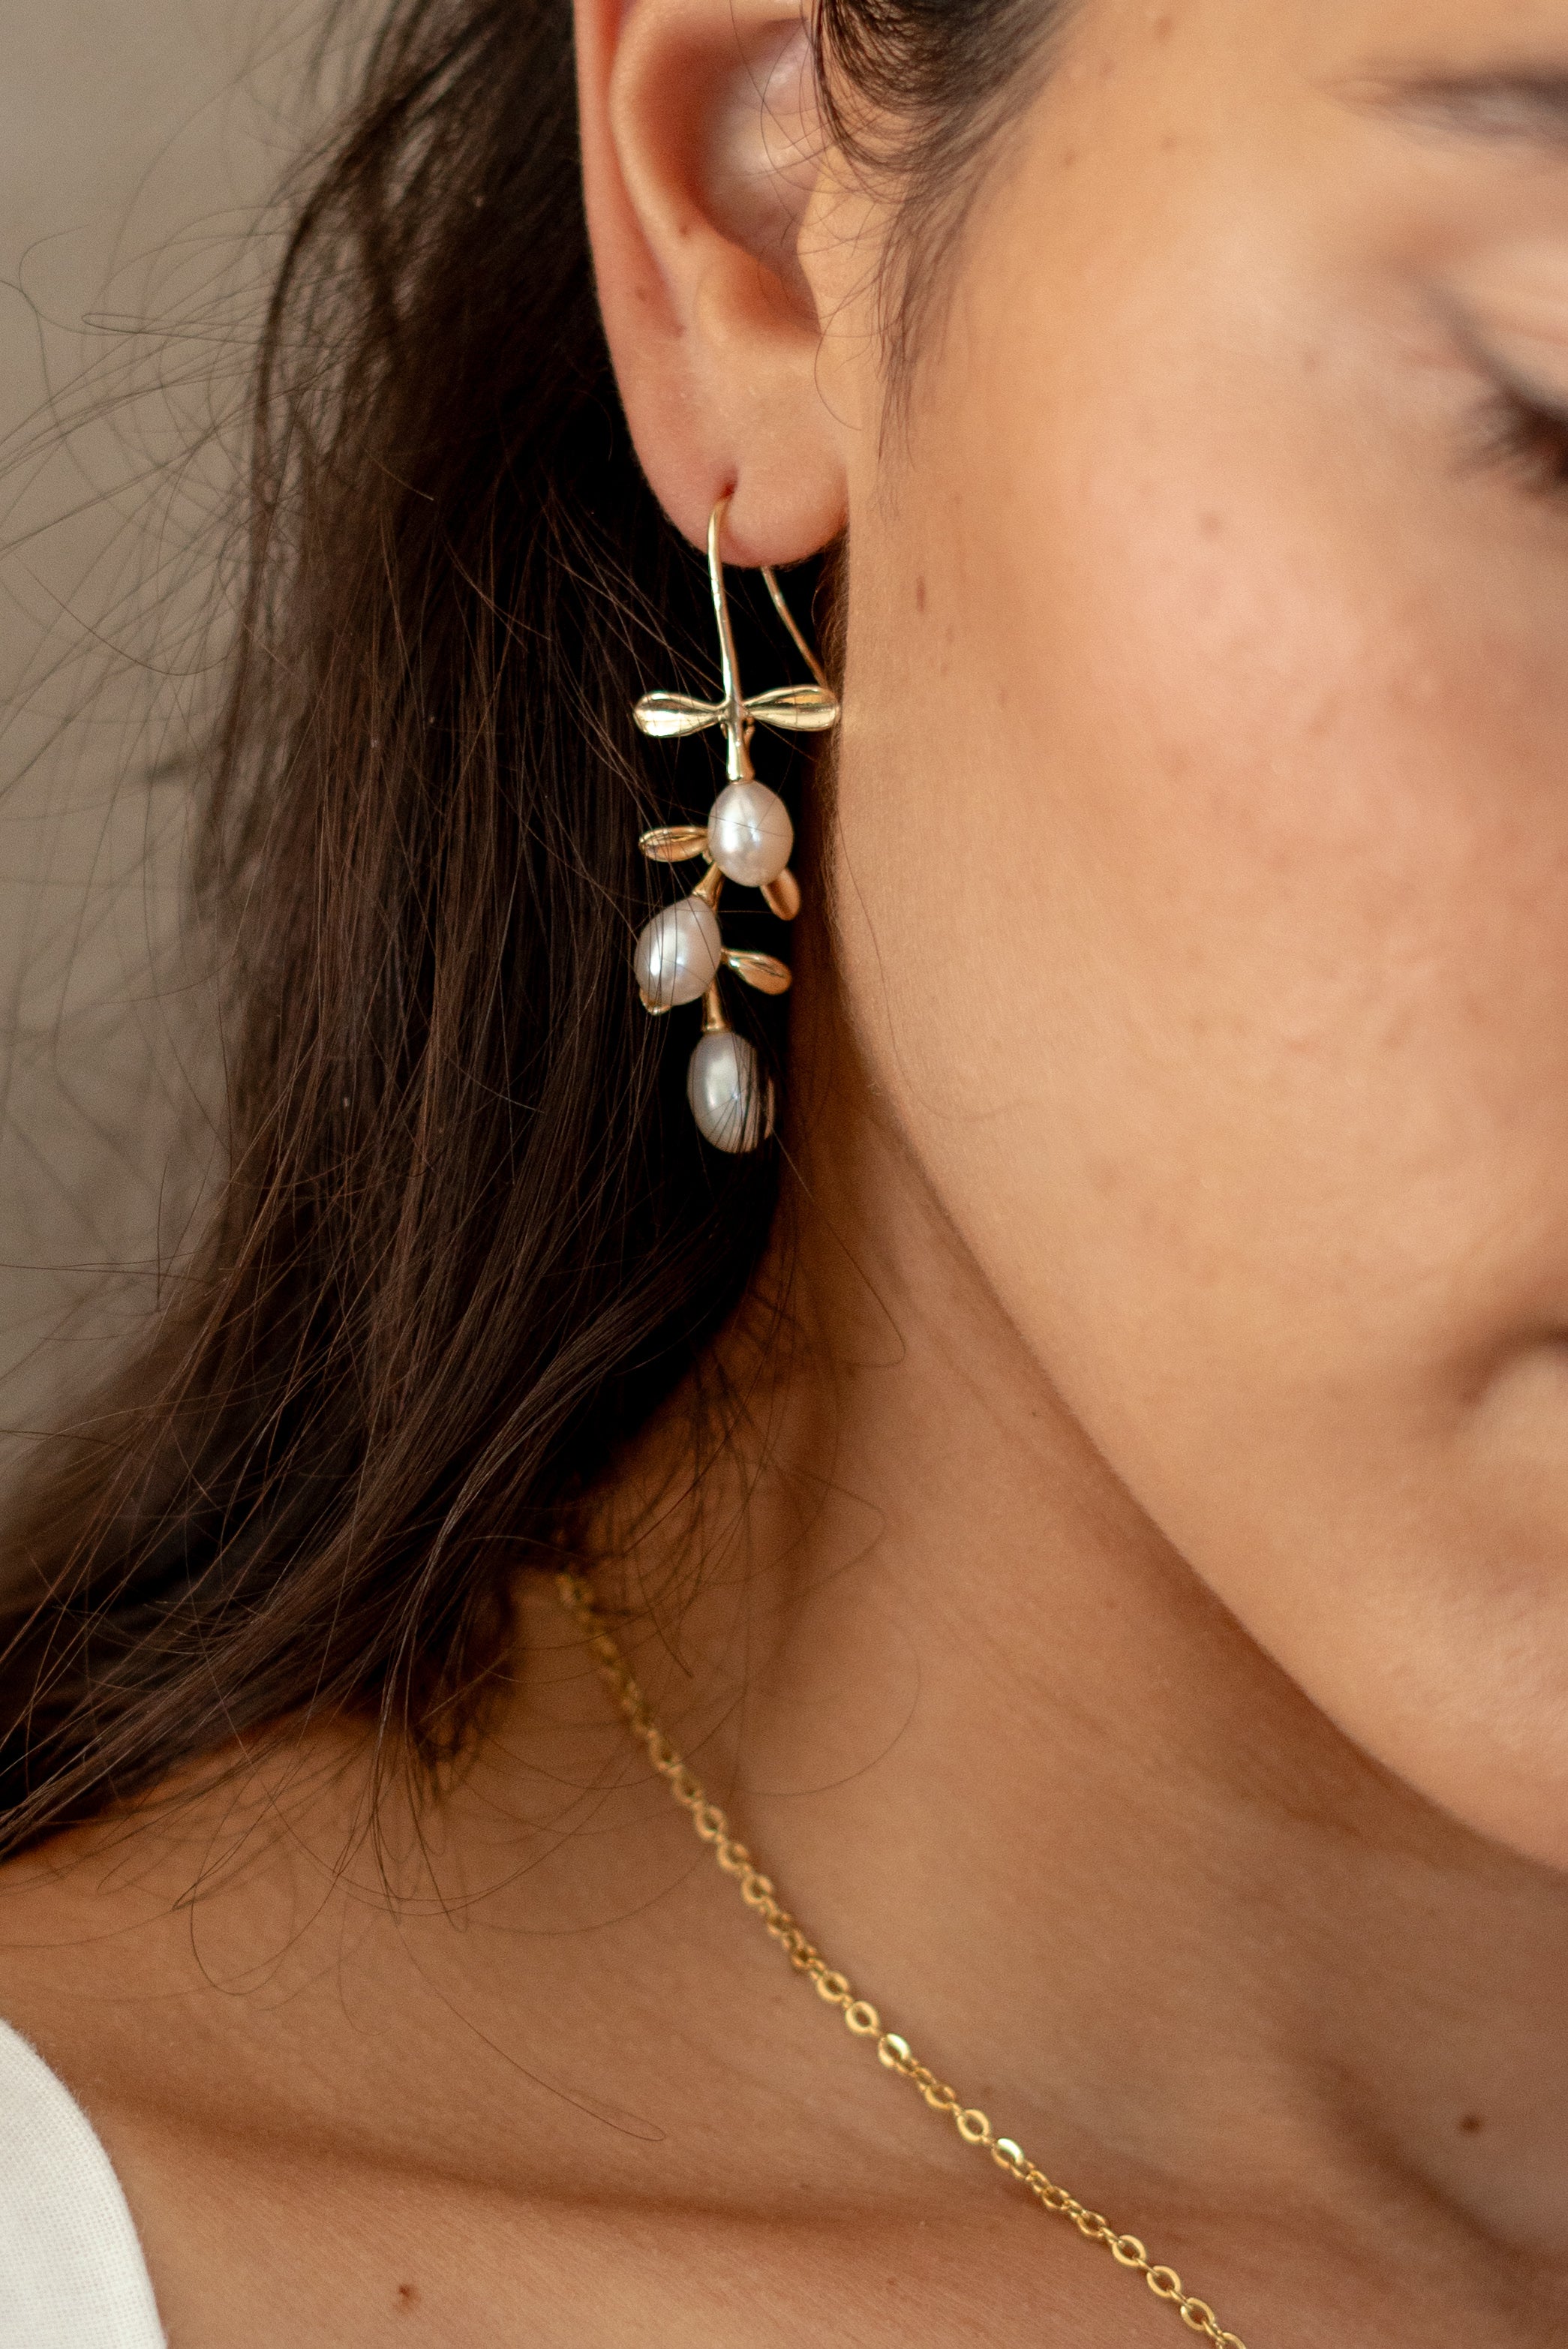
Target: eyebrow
{"points": [[1517, 104]]}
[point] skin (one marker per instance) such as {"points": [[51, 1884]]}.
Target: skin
{"points": [[1136, 1630]]}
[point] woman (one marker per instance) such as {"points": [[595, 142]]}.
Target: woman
{"points": [[1089, 1497]]}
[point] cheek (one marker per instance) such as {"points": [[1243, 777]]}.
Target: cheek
{"points": [[1204, 889], [1199, 826]]}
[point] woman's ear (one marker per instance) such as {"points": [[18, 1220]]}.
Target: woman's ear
{"points": [[701, 161]]}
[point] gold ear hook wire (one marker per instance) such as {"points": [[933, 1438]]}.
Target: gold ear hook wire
{"points": [[721, 605], [736, 727], [787, 617], [737, 723], [792, 709]]}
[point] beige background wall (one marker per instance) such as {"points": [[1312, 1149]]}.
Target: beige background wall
{"points": [[138, 141]]}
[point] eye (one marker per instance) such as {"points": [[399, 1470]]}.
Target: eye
{"points": [[1523, 436]]}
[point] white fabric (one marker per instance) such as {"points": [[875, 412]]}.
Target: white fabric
{"points": [[71, 2271]]}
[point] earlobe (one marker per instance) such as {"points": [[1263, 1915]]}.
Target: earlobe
{"points": [[700, 157]]}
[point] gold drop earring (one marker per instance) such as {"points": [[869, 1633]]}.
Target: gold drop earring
{"points": [[747, 839]]}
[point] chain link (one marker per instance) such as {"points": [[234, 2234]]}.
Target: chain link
{"points": [[760, 1894]]}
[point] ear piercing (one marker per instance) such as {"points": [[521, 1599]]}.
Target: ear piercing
{"points": [[747, 839]]}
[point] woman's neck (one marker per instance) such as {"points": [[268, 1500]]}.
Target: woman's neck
{"points": [[1030, 1785], [1018, 1773]]}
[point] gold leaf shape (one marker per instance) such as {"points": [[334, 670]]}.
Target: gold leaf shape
{"points": [[797, 709], [782, 898], [763, 971], [665, 715], [674, 843]]}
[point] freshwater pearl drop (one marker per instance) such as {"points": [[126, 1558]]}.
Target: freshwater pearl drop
{"points": [[727, 1094], [749, 834], [679, 953]]}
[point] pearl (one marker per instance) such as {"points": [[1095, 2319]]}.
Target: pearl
{"points": [[728, 1093], [679, 953], [749, 834]]}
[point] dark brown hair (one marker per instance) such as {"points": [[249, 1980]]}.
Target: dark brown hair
{"points": [[470, 1239]]}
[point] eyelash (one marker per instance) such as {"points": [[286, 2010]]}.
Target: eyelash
{"points": [[1526, 439]]}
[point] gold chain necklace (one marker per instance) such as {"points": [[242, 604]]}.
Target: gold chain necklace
{"points": [[894, 2052]]}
